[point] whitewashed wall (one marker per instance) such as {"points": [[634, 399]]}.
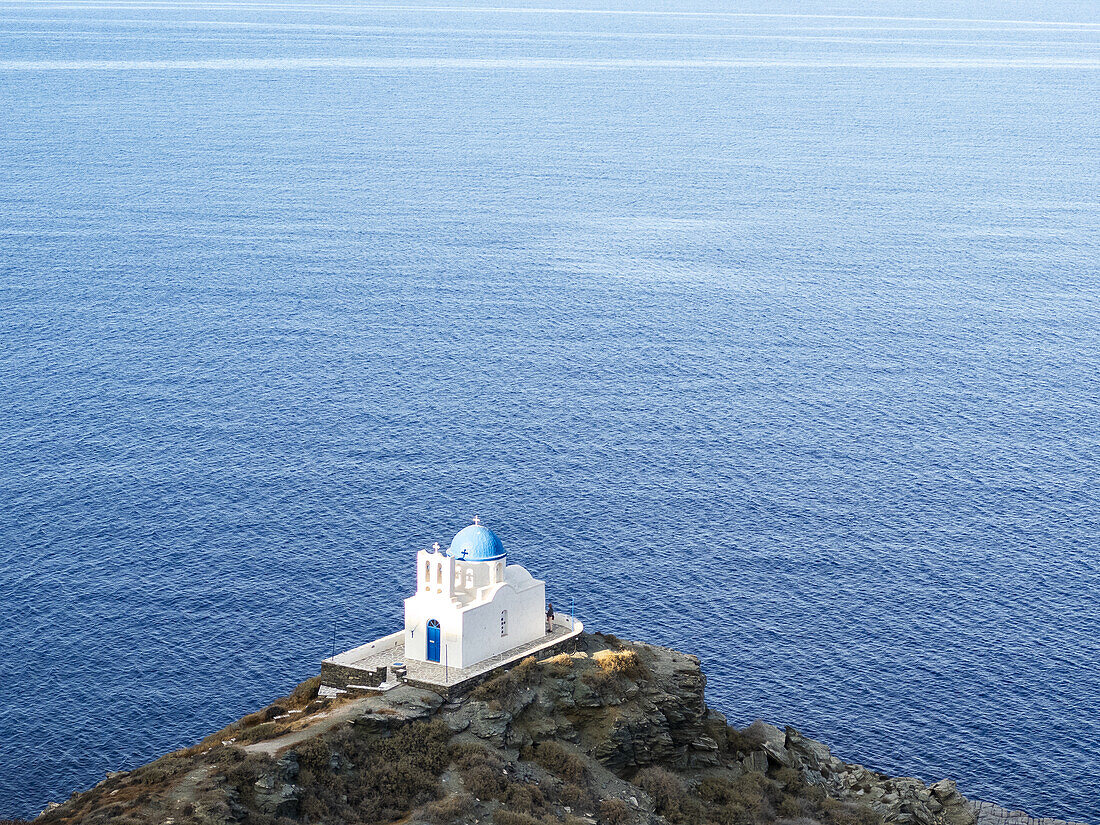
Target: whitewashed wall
{"points": [[470, 633]]}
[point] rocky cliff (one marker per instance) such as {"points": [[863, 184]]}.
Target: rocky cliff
{"points": [[611, 733]]}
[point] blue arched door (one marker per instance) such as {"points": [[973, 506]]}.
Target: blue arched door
{"points": [[433, 641]]}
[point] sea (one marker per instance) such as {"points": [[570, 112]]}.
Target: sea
{"points": [[766, 330]]}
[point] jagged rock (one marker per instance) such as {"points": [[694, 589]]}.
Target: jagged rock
{"points": [[490, 725], [413, 703], [457, 723], [584, 696], [945, 789], [810, 752], [956, 810], [266, 782], [704, 752], [755, 761], [288, 765]]}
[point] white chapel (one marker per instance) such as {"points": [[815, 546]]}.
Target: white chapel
{"points": [[470, 604]]}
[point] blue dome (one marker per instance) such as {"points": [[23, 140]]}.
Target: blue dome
{"points": [[476, 543]]}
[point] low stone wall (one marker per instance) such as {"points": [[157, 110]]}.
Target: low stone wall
{"points": [[343, 677]]}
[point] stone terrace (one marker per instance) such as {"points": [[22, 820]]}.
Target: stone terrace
{"points": [[367, 667]]}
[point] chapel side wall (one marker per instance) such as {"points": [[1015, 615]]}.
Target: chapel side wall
{"points": [[531, 613], [481, 630], [481, 624]]}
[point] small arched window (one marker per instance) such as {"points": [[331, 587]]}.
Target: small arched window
{"points": [[439, 573], [469, 578], [427, 571], [500, 572], [504, 623]]}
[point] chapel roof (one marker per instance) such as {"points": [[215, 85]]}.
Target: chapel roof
{"points": [[476, 543]]}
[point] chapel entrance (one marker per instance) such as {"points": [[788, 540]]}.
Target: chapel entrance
{"points": [[433, 641]]}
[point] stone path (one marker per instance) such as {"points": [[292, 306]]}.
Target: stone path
{"points": [[321, 722], [402, 703]]}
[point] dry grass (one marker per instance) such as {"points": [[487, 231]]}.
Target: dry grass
{"points": [[623, 662], [558, 666]]}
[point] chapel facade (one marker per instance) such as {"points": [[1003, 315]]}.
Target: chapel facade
{"points": [[470, 604]]}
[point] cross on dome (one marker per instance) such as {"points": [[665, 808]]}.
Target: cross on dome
{"points": [[477, 520]]}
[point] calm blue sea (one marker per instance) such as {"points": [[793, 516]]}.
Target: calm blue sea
{"points": [[768, 330]]}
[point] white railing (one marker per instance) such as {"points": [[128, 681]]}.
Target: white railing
{"points": [[377, 646]]}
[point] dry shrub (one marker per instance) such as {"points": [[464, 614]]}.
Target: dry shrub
{"points": [[669, 795], [575, 797], [456, 808], [157, 772], [356, 775], [559, 761], [664, 787], [484, 782], [789, 807], [251, 719], [790, 779], [518, 798], [602, 682], [753, 788], [756, 733], [848, 813], [508, 683], [305, 693], [619, 662], [717, 790], [481, 769], [225, 756], [740, 742], [740, 801], [614, 812], [502, 816], [467, 755]]}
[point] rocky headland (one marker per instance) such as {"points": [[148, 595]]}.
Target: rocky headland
{"points": [[610, 733]]}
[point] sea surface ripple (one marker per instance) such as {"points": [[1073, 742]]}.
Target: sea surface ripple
{"points": [[769, 331]]}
